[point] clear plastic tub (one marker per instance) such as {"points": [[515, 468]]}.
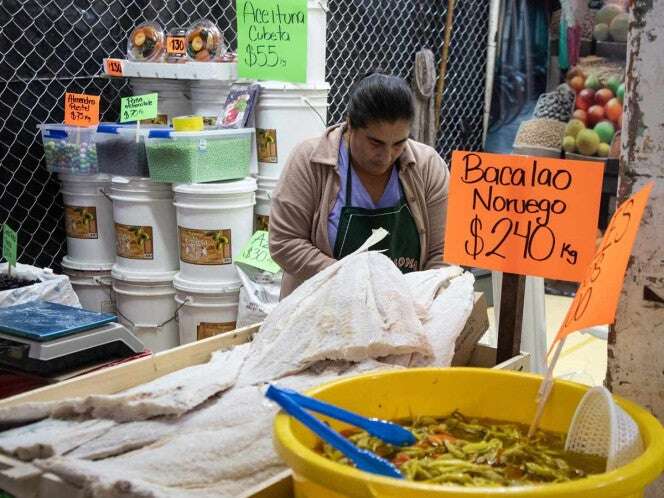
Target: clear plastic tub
{"points": [[205, 42], [119, 152], [69, 149], [202, 156], [146, 43]]}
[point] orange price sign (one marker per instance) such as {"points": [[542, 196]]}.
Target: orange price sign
{"points": [[113, 67], [523, 214], [81, 109], [596, 300], [175, 45]]}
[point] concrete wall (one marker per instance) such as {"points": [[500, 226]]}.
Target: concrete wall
{"points": [[636, 342]]}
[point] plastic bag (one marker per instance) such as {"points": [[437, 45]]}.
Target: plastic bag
{"points": [[51, 287], [259, 294]]}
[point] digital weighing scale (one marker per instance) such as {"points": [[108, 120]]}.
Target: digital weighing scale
{"points": [[46, 338]]}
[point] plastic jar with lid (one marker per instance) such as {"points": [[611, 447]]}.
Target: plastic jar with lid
{"points": [[146, 43], [204, 41]]}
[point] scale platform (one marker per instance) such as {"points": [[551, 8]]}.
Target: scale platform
{"points": [[46, 338]]}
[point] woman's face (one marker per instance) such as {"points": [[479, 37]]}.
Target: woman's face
{"points": [[376, 147]]}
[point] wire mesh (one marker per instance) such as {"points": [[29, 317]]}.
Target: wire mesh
{"points": [[50, 47]]}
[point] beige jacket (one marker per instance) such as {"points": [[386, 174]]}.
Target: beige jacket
{"points": [[308, 188]]}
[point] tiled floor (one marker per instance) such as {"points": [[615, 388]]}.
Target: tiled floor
{"points": [[583, 358]]}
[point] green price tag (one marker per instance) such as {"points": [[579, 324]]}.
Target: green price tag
{"points": [[9, 244], [138, 107], [272, 40], [257, 253]]}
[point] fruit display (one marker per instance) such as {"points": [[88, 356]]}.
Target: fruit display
{"points": [[146, 43], [556, 105], [598, 114], [540, 132], [611, 24], [204, 41]]}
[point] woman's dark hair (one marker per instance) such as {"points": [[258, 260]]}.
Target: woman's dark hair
{"points": [[379, 97]]}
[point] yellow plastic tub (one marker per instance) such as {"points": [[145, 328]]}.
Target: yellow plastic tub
{"points": [[476, 392]]}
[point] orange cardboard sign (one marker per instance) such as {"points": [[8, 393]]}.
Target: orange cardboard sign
{"points": [[81, 109], [175, 45], [523, 214], [596, 300], [113, 67]]}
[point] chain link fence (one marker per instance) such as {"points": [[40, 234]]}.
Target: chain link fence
{"points": [[50, 47]]}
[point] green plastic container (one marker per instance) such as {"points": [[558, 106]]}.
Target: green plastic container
{"points": [[200, 156]]}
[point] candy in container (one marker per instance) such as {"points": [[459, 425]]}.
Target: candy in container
{"points": [[146, 43], [204, 41]]}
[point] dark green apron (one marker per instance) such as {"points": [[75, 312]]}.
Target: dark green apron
{"points": [[402, 245]]}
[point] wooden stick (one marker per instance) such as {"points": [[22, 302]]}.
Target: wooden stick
{"points": [[510, 321], [545, 389], [442, 67]]}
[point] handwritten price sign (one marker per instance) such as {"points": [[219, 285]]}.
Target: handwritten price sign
{"points": [[521, 214], [81, 109], [138, 107], [272, 39], [176, 45], [596, 300], [257, 253], [113, 67]]}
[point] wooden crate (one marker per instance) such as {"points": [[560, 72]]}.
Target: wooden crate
{"points": [[24, 480]]}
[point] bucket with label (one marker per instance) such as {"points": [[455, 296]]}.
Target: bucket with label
{"points": [[280, 105], [208, 98], [92, 284], [214, 223], [146, 305], [145, 228], [316, 40], [88, 219], [205, 313], [174, 97], [263, 201]]}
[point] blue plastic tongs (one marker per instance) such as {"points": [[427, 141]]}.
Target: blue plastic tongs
{"points": [[294, 404]]}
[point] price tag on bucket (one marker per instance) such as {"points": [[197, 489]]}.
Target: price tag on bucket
{"points": [[81, 109], [138, 107], [272, 40], [522, 214], [257, 253], [9, 245]]}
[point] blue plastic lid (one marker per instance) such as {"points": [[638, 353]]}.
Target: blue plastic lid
{"points": [[55, 133], [108, 128], [159, 134]]}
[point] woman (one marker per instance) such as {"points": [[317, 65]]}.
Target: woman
{"points": [[361, 175]]}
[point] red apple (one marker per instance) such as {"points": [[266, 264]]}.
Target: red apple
{"points": [[581, 103], [581, 115], [588, 94], [595, 115], [603, 95]]}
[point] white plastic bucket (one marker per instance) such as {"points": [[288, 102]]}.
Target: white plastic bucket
{"points": [[286, 115], [174, 96], [205, 314], [92, 284], [214, 222], [88, 218], [145, 228], [147, 307], [316, 40], [263, 202], [208, 98]]}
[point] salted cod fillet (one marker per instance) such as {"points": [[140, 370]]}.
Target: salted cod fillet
{"points": [[356, 309], [171, 395]]}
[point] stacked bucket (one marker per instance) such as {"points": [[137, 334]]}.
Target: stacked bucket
{"points": [[288, 114]]}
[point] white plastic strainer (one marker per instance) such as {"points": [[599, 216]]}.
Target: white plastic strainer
{"points": [[600, 427]]}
